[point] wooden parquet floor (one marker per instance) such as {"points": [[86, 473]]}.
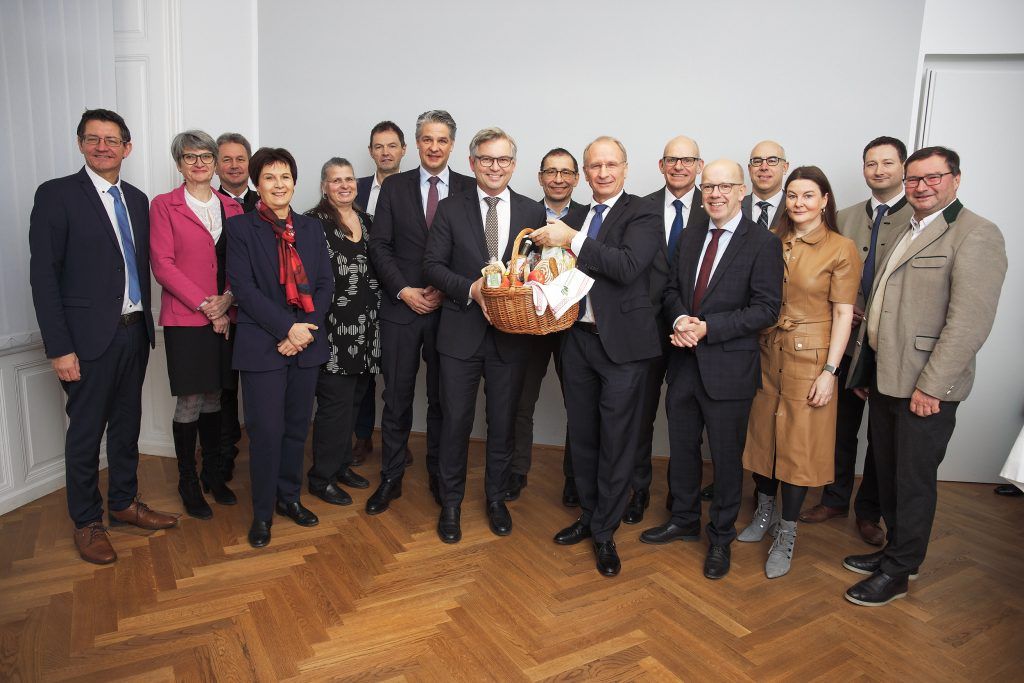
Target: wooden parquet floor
{"points": [[381, 598]]}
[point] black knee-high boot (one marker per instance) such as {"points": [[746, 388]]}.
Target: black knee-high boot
{"points": [[188, 483], [214, 470]]}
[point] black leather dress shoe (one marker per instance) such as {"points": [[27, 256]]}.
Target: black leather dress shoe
{"points": [[638, 502], [608, 563], [259, 533], [380, 500], [435, 489], [570, 498], [353, 479], [716, 564], [573, 534], [499, 518], [329, 494], [670, 532], [1008, 490], [870, 563], [449, 527], [877, 590], [298, 514], [708, 492], [516, 484]]}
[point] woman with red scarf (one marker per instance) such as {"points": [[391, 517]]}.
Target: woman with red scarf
{"points": [[281, 276]]}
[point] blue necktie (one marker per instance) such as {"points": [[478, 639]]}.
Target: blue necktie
{"points": [[125, 228], [868, 275], [677, 230], [595, 227]]}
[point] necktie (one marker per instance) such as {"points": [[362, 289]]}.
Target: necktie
{"points": [[705, 268], [677, 230], [762, 220], [595, 227], [125, 228], [868, 276], [491, 226], [432, 199]]}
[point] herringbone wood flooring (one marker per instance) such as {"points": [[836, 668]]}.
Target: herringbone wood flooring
{"points": [[381, 598]]}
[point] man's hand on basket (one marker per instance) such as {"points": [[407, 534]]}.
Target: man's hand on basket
{"points": [[476, 293]]}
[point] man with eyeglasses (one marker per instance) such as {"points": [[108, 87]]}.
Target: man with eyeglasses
{"points": [[872, 224], [233, 152], [471, 229], [931, 307], [89, 271], [726, 287], [387, 149], [409, 314], [558, 177], [681, 206], [767, 168], [605, 354]]}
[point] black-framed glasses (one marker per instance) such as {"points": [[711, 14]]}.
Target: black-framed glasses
{"points": [[685, 161], [931, 180], [93, 140], [551, 173], [190, 159], [724, 188], [503, 162], [771, 161]]}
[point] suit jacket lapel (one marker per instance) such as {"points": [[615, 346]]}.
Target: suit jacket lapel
{"points": [[734, 246], [612, 217], [92, 196], [417, 198], [476, 223], [180, 205], [693, 241], [934, 230]]}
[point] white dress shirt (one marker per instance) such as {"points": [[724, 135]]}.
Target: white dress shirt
{"points": [[670, 211], [208, 213], [776, 202], [581, 237], [103, 187], [891, 203], [504, 211], [442, 187], [371, 201]]}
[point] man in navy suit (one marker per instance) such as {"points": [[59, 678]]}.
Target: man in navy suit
{"points": [[606, 353], [89, 270], [726, 287], [409, 313], [233, 153], [472, 228], [387, 149]]}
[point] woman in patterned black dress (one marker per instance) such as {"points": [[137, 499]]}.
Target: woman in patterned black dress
{"points": [[352, 334]]}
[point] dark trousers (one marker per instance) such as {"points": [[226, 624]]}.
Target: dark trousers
{"points": [[230, 428], [603, 404], [402, 347], [908, 451], [278, 405], [545, 347], [107, 397], [690, 411], [367, 414], [337, 402], [850, 412], [460, 380], [642, 470]]}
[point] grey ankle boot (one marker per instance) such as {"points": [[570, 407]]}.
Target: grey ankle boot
{"points": [[762, 520], [781, 554]]}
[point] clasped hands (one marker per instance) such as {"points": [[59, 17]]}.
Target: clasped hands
{"points": [[299, 337], [422, 300], [687, 331], [215, 308]]}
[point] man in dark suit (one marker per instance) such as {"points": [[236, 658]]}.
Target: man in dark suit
{"points": [[605, 354], [558, 176], [726, 287], [89, 270], [472, 228], [409, 313], [387, 149], [873, 225], [233, 153], [767, 168], [680, 204]]}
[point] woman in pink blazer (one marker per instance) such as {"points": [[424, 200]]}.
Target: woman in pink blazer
{"points": [[187, 252]]}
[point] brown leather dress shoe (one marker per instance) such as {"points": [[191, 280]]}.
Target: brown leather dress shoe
{"points": [[93, 544], [870, 532], [822, 513], [139, 514]]}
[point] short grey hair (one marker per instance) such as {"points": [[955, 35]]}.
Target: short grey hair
{"points": [[606, 138], [488, 134], [331, 163], [192, 139], [236, 138], [436, 116]]}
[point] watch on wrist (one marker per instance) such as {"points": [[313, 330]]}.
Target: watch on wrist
{"points": [[831, 369]]}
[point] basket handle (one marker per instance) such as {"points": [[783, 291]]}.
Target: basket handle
{"points": [[519, 238]]}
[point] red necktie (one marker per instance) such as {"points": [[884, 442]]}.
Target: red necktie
{"points": [[432, 199], [705, 268]]}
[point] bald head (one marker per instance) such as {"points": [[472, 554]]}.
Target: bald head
{"points": [[680, 164], [722, 190], [765, 177]]}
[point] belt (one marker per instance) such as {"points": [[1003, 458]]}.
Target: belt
{"points": [[130, 318], [587, 327]]}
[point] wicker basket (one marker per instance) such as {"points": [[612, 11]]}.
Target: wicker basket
{"points": [[511, 309]]}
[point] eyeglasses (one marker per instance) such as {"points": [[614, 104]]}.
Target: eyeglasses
{"points": [[611, 167], [550, 173], [488, 162], [685, 161], [93, 140], [771, 161], [191, 159], [931, 180], [724, 188]]}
